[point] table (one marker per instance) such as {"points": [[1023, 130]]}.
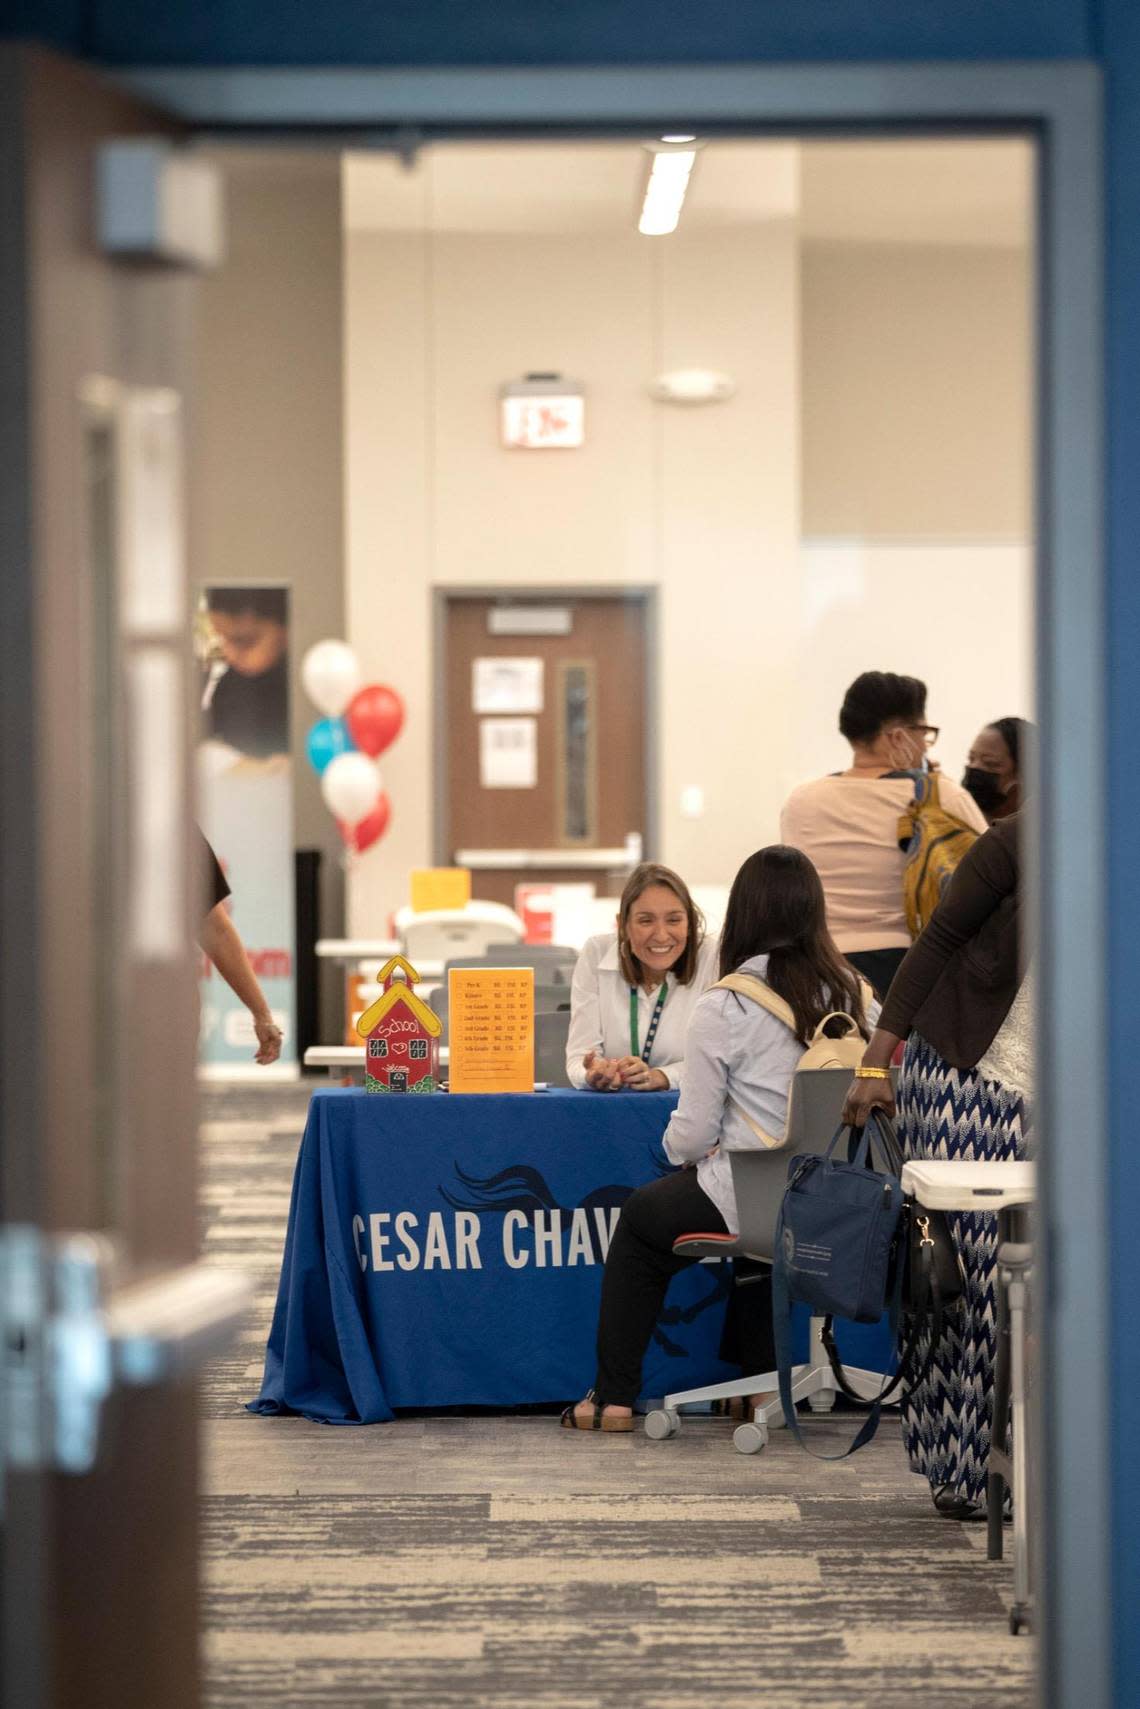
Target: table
{"points": [[448, 1251], [348, 1059], [1004, 1188]]}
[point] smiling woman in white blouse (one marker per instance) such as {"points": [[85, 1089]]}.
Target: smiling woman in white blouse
{"points": [[741, 1059], [634, 990]]}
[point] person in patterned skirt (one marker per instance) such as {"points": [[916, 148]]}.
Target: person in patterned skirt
{"points": [[962, 1000]]}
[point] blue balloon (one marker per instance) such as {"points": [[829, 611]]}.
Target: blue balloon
{"points": [[328, 738]]}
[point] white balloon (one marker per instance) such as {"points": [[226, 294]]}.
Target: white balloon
{"points": [[331, 676], [350, 784]]}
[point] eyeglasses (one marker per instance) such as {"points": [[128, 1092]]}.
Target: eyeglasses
{"points": [[929, 732]]}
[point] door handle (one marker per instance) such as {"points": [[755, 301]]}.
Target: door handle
{"points": [[166, 1327], [69, 1333]]}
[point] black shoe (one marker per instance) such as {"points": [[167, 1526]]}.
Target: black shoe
{"points": [[950, 1505]]}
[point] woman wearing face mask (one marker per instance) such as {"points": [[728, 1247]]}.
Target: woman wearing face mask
{"points": [[634, 989], [996, 764], [848, 824]]}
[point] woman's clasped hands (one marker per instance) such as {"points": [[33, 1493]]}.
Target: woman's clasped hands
{"points": [[622, 1074]]}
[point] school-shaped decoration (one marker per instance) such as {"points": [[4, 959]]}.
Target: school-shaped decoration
{"points": [[401, 1035]]}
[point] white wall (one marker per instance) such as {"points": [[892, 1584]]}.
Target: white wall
{"points": [[702, 503], [759, 634], [917, 369], [955, 615]]}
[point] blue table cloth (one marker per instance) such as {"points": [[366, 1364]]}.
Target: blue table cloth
{"points": [[448, 1251]]}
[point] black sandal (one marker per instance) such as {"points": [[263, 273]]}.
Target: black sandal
{"points": [[951, 1505], [595, 1420]]}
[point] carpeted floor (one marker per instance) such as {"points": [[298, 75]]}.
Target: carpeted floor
{"points": [[499, 1563]]}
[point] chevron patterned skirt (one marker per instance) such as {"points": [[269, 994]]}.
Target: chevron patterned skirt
{"points": [[953, 1113]]}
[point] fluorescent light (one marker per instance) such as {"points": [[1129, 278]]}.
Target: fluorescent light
{"points": [[678, 139], [665, 191]]}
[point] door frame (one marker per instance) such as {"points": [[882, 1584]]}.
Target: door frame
{"points": [[644, 594], [1059, 105]]}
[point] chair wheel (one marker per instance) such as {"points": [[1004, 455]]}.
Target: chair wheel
{"points": [[662, 1423], [750, 1438], [1018, 1619]]}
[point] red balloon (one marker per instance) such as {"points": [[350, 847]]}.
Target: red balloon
{"points": [[371, 828], [375, 717]]}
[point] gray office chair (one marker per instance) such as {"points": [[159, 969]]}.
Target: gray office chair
{"points": [[548, 970], [552, 963], [547, 1000], [551, 1031], [759, 1179]]}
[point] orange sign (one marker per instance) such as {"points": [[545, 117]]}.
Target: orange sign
{"points": [[491, 1029], [440, 887]]}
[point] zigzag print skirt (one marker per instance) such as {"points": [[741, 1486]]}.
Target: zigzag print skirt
{"points": [[954, 1113]]}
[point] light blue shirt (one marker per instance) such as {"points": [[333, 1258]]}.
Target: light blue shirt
{"points": [[736, 1053]]}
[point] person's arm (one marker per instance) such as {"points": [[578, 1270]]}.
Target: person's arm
{"points": [[586, 1062], [694, 1127], [986, 875], [219, 938]]}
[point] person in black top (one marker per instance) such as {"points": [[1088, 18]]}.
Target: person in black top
{"points": [[247, 707], [963, 1001], [220, 939]]}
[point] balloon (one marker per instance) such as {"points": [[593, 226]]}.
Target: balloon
{"points": [[375, 717], [328, 738], [331, 676], [350, 784], [370, 829]]}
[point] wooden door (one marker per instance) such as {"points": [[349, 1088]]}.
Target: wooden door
{"points": [[546, 736], [98, 1561]]}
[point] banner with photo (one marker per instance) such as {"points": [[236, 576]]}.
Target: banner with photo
{"points": [[245, 808]]}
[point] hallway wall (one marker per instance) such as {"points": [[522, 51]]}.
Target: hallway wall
{"points": [[268, 454], [760, 629]]}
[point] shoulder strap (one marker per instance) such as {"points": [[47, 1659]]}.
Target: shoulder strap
{"points": [[768, 1140], [926, 790], [748, 985]]}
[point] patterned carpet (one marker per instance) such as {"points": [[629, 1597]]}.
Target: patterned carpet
{"points": [[499, 1563]]}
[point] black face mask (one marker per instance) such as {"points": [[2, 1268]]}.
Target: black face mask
{"points": [[985, 787]]}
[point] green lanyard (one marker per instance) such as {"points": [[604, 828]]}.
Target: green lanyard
{"points": [[653, 1024]]}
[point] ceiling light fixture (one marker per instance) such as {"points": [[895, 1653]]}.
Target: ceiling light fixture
{"points": [[669, 173]]}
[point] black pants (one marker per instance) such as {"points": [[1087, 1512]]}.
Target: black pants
{"points": [[878, 967], [639, 1267]]}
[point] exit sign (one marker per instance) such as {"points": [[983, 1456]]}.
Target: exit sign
{"points": [[539, 423]]}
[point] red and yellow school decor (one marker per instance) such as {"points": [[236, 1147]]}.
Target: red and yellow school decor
{"points": [[491, 1025], [401, 1035]]}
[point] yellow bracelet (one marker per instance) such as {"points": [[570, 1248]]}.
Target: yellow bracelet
{"points": [[872, 1074]]}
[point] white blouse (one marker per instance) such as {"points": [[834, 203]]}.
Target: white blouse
{"points": [[599, 1009]]}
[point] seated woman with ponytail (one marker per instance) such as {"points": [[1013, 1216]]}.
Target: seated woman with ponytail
{"points": [[739, 1062]]}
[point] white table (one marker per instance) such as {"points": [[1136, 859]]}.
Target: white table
{"points": [[996, 1189], [348, 1059], [354, 951]]}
